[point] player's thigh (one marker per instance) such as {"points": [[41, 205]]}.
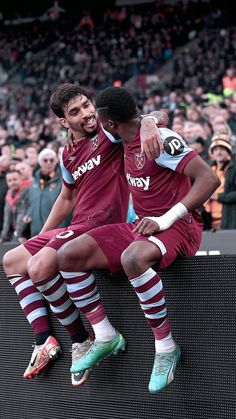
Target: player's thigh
{"points": [[113, 239], [82, 254], [181, 239], [15, 260]]}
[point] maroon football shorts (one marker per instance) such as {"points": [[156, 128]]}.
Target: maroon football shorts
{"points": [[56, 238], [183, 238]]}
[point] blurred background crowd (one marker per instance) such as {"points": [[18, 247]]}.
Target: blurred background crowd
{"points": [[178, 56]]}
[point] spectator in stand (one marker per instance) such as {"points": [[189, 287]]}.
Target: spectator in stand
{"points": [[198, 144], [178, 125], [45, 189], [208, 130], [3, 136], [13, 162], [6, 151], [232, 117], [221, 207], [20, 153], [14, 208], [26, 173], [31, 153], [4, 166], [229, 82]]}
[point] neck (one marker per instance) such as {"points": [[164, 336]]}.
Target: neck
{"points": [[78, 136], [128, 130]]}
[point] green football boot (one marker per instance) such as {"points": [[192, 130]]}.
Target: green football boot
{"points": [[97, 352], [163, 371]]}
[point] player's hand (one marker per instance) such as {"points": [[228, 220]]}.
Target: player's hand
{"points": [[151, 143], [70, 142], [147, 227]]}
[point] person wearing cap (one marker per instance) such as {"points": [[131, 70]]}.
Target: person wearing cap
{"points": [[222, 204]]}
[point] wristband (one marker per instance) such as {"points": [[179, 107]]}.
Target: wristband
{"points": [[151, 117], [166, 220]]}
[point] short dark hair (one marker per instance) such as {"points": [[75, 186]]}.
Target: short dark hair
{"points": [[116, 103], [198, 140], [63, 94], [13, 171]]}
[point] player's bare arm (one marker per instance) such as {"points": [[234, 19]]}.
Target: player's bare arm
{"points": [[151, 143], [204, 183], [61, 208]]}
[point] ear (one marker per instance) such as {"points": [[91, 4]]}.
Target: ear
{"points": [[113, 124], [64, 123]]}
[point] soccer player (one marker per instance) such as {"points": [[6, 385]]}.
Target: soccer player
{"points": [[166, 193], [93, 181]]}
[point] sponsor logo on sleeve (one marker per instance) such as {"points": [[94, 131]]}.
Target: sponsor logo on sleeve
{"points": [[173, 146]]}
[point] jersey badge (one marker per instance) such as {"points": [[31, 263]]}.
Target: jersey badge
{"points": [[94, 143], [139, 160]]}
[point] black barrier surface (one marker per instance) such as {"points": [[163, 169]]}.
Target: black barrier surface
{"points": [[200, 294]]}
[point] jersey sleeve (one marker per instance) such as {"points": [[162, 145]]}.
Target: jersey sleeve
{"points": [[66, 176], [176, 152], [110, 136]]}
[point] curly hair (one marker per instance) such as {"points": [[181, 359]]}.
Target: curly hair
{"points": [[116, 103]]}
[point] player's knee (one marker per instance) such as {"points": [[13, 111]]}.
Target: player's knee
{"points": [[38, 268], [10, 262], [7, 260], [15, 261], [131, 260]]}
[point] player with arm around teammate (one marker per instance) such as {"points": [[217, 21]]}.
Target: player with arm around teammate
{"points": [[93, 181], [166, 193]]}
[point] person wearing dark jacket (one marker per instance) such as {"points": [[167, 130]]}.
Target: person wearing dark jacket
{"points": [[14, 208], [4, 165], [228, 198], [222, 205], [44, 191]]}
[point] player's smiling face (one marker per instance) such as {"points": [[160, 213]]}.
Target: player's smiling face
{"points": [[80, 115]]}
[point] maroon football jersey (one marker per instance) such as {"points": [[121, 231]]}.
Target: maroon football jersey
{"points": [[95, 168], [159, 184]]}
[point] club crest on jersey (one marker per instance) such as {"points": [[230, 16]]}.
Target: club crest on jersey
{"points": [[173, 146], [94, 143], [139, 160]]}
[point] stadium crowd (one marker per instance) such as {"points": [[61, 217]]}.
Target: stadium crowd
{"points": [[189, 49]]}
